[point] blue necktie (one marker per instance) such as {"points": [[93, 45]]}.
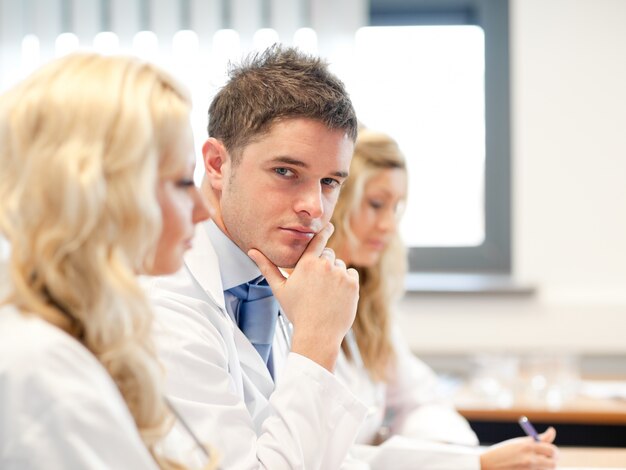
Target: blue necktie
{"points": [[256, 314]]}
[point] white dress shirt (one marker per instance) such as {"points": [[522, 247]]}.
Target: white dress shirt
{"points": [[235, 266]]}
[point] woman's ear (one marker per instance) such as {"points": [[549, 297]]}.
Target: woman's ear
{"points": [[216, 161]]}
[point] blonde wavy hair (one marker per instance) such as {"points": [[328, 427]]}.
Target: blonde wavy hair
{"points": [[83, 143], [381, 284]]}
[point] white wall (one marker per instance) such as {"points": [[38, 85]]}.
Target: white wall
{"points": [[568, 73]]}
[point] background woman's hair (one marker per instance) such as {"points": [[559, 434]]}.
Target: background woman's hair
{"points": [[83, 142], [384, 282]]}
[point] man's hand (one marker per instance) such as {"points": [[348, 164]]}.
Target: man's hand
{"points": [[319, 297]]}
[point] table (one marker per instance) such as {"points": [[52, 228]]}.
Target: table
{"points": [[592, 457], [580, 421], [580, 410]]}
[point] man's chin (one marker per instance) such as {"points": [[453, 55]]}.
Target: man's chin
{"points": [[286, 260]]}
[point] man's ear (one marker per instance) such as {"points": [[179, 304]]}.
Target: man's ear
{"points": [[216, 161]]}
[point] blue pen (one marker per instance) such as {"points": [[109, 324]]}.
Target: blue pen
{"points": [[528, 428]]}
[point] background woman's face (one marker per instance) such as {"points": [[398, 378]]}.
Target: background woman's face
{"points": [[375, 221]]}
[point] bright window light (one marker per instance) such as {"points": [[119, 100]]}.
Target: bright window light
{"points": [[31, 54], [106, 42], [185, 43], [65, 44], [264, 38], [424, 86], [305, 39], [226, 44], [146, 44], [226, 47]]}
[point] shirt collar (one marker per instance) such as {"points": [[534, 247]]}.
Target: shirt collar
{"points": [[236, 267]]}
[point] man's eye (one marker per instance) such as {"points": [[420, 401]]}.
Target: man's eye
{"points": [[333, 183], [283, 171]]}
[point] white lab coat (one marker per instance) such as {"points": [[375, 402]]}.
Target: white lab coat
{"points": [[409, 399], [59, 408], [221, 386], [414, 411]]}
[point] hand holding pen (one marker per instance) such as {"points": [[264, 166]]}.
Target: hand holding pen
{"points": [[536, 454], [528, 428]]}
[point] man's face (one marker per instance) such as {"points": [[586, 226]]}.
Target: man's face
{"points": [[284, 188]]}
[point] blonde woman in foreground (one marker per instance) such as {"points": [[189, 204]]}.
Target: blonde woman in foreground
{"points": [[96, 187], [377, 363]]}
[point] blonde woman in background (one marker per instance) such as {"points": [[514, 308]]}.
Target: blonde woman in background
{"points": [[377, 363], [96, 187]]}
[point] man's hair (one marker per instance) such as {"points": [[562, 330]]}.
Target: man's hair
{"points": [[278, 83]]}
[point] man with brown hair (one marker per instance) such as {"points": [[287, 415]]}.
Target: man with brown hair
{"points": [[256, 385]]}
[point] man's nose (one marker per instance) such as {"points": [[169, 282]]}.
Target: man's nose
{"points": [[310, 202]]}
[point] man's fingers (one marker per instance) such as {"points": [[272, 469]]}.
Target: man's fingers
{"points": [[353, 273], [329, 254], [269, 270], [317, 244]]}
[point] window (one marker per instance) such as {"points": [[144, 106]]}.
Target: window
{"points": [[429, 83], [460, 175], [443, 93]]}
